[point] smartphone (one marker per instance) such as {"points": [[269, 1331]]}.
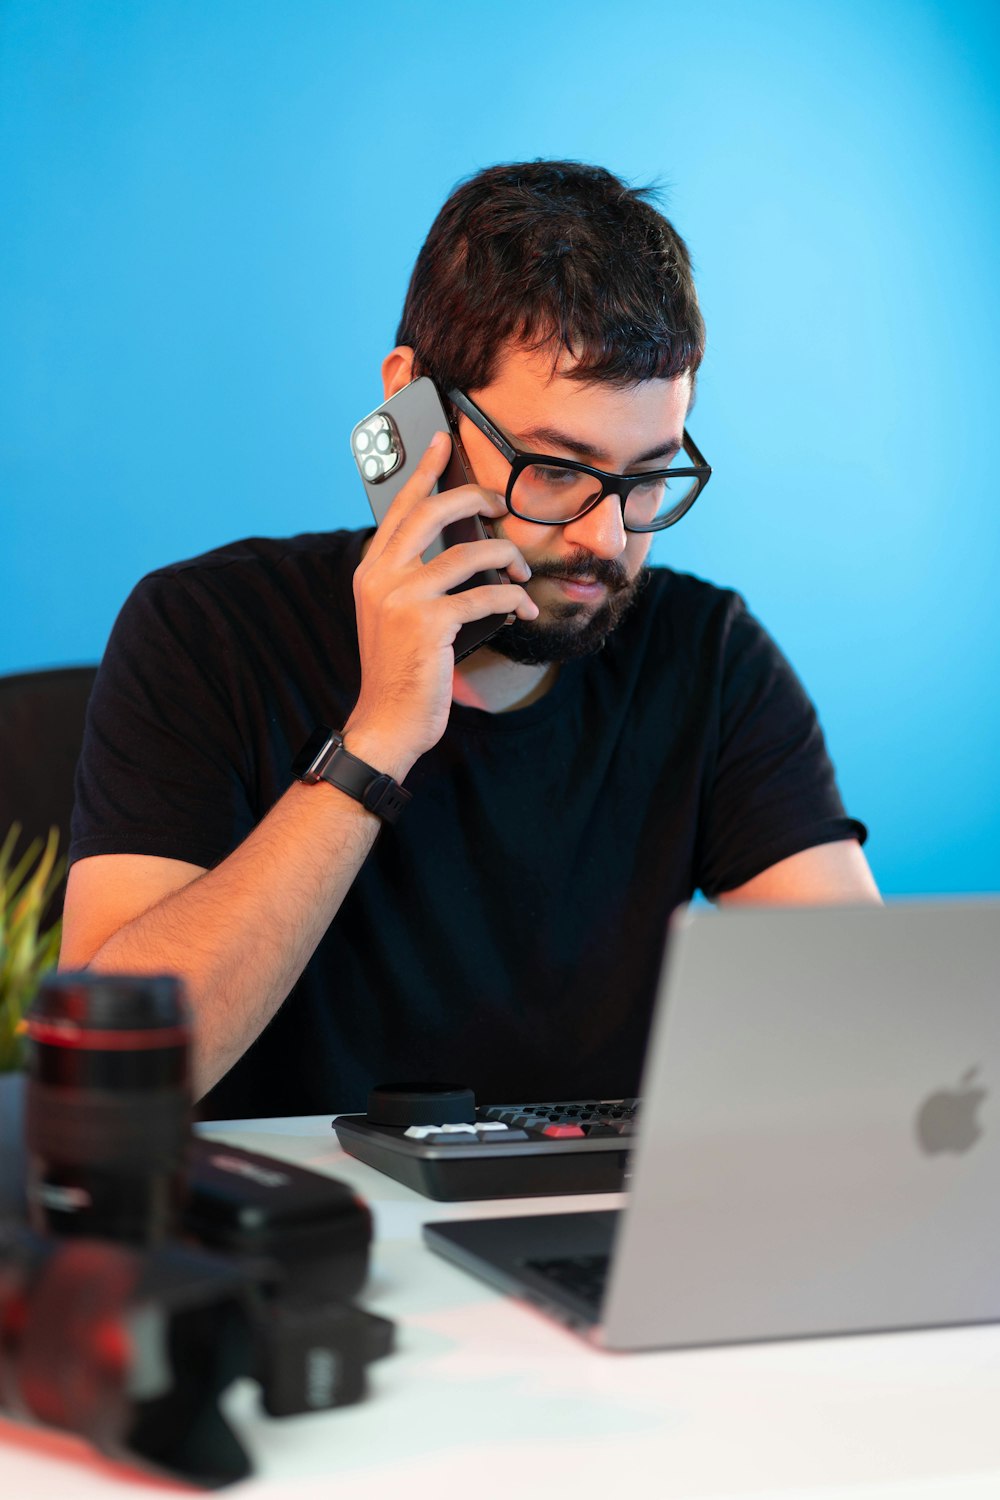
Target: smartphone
{"points": [[387, 446]]}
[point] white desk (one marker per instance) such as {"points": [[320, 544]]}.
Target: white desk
{"points": [[485, 1398]]}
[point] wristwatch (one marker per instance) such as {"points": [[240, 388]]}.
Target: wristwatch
{"points": [[324, 757]]}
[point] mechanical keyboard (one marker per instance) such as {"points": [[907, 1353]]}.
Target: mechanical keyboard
{"points": [[508, 1151]]}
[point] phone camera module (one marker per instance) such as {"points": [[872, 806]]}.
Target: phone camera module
{"points": [[378, 451]]}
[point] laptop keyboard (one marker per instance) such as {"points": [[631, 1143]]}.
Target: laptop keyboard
{"points": [[585, 1276]]}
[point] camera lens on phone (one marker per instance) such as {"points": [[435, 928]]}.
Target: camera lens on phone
{"points": [[108, 1106]]}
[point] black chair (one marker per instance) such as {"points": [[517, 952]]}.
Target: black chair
{"points": [[41, 732]]}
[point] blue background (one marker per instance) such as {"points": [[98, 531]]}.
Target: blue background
{"points": [[209, 214]]}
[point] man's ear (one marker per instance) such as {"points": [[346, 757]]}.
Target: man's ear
{"points": [[397, 370]]}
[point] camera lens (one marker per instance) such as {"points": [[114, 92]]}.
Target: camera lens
{"points": [[108, 1106]]}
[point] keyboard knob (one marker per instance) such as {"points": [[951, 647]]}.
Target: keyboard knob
{"points": [[406, 1104]]}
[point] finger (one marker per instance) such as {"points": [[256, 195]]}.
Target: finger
{"points": [[492, 599], [458, 563], [428, 516]]}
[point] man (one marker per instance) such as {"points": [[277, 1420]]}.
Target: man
{"points": [[628, 737]]}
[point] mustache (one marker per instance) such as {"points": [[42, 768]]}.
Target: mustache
{"points": [[610, 571]]}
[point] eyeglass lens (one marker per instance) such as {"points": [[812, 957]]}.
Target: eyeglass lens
{"points": [[545, 492]]}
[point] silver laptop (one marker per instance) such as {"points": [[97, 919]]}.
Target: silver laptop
{"points": [[819, 1139]]}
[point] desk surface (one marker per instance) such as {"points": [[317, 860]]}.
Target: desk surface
{"points": [[486, 1398]]}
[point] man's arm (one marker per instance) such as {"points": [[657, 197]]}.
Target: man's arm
{"points": [[835, 873], [240, 934]]}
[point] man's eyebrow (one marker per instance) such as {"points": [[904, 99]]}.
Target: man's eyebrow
{"points": [[545, 439]]}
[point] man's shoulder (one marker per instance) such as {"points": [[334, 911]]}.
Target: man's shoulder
{"points": [[262, 554], [684, 606], [686, 629], [246, 583], [688, 591], [253, 576]]}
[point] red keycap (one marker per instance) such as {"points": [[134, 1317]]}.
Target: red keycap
{"points": [[563, 1132]]}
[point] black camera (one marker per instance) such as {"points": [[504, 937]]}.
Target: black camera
{"points": [[156, 1267]]}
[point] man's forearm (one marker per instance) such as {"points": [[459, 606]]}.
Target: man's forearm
{"points": [[241, 934]]}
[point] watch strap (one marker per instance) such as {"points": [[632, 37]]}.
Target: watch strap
{"points": [[325, 757]]}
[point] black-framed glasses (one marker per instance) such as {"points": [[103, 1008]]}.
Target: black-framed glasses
{"points": [[555, 491]]}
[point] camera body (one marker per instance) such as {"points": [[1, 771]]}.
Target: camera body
{"points": [[158, 1267]]}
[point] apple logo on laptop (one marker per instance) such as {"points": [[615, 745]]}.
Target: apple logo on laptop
{"points": [[946, 1121]]}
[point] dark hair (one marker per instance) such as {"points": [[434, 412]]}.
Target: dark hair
{"points": [[552, 253]]}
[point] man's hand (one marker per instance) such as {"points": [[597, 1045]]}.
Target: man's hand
{"points": [[408, 620]]}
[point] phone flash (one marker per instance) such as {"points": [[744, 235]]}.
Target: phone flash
{"points": [[378, 451]]}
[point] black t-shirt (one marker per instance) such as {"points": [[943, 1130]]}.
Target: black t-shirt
{"points": [[507, 932]]}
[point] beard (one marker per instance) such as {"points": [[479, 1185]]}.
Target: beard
{"points": [[571, 630]]}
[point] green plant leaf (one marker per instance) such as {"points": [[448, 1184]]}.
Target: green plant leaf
{"points": [[26, 953]]}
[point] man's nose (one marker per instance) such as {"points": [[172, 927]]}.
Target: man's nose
{"points": [[601, 531]]}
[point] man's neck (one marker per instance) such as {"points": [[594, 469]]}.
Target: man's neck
{"points": [[491, 682]]}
